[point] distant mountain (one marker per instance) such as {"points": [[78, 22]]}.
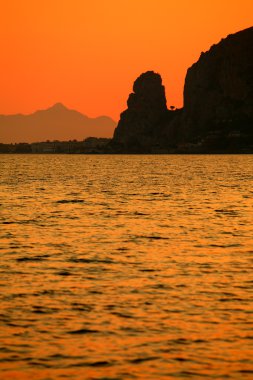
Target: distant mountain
{"points": [[54, 123]]}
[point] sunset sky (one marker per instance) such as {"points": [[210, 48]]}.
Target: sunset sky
{"points": [[87, 53]]}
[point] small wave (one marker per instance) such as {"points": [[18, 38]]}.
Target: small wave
{"points": [[150, 237], [179, 359], [83, 332], [82, 307], [63, 201], [64, 273], [102, 363], [141, 360], [122, 315], [148, 270], [44, 310], [35, 258], [227, 212]]}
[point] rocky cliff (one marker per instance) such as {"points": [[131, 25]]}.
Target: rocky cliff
{"points": [[218, 92], [143, 121], [218, 105]]}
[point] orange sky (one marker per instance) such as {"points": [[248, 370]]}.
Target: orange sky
{"points": [[87, 53]]}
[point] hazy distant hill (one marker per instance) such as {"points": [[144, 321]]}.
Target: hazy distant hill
{"points": [[55, 123]]}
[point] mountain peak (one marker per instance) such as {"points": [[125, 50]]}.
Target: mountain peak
{"points": [[58, 106]]}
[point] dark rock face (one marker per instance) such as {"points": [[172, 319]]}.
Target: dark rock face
{"points": [[139, 125], [218, 105], [218, 92]]}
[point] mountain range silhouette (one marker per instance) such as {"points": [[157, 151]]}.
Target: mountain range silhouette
{"points": [[55, 123]]}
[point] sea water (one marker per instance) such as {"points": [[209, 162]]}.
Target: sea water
{"points": [[126, 267]]}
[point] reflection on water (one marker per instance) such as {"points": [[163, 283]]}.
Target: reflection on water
{"points": [[126, 267]]}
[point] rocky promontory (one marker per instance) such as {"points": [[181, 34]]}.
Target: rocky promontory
{"points": [[142, 123], [218, 92], [218, 105]]}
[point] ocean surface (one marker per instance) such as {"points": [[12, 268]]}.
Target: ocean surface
{"points": [[126, 267]]}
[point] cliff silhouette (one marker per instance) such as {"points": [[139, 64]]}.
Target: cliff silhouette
{"points": [[55, 123], [140, 124], [217, 116], [218, 106]]}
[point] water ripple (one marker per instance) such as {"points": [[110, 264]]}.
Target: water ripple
{"points": [[126, 267]]}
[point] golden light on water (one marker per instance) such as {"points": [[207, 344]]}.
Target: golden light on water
{"points": [[126, 266]]}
